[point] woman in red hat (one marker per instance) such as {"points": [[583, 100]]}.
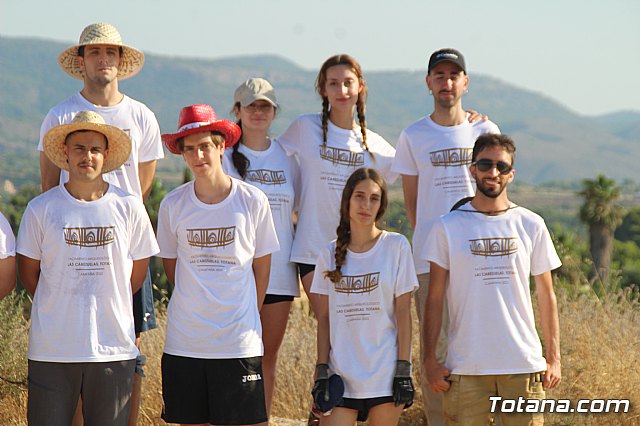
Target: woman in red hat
{"points": [[216, 236], [261, 162]]}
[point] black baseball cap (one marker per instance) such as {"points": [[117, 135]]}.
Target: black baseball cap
{"points": [[446, 55]]}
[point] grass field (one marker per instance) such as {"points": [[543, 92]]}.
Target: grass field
{"points": [[600, 343]]}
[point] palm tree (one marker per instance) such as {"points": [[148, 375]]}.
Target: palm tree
{"points": [[600, 213]]}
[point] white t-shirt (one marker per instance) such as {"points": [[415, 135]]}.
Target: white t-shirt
{"points": [[7, 240], [440, 156], [213, 311], [363, 333], [276, 174], [82, 309], [324, 172], [490, 259], [133, 117]]}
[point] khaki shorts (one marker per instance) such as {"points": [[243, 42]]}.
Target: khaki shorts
{"points": [[467, 400]]}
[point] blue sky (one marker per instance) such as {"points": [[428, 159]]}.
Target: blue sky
{"points": [[583, 53]]}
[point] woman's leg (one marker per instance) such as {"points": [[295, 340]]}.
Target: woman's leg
{"points": [[274, 319], [385, 414], [340, 416]]}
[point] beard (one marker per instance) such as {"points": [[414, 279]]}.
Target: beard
{"points": [[491, 191]]}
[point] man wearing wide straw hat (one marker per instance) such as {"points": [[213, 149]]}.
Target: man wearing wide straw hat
{"points": [[83, 248], [101, 60]]}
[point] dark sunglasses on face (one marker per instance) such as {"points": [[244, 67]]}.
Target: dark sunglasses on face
{"points": [[485, 165]]}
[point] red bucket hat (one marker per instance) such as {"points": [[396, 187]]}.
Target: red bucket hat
{"points": [[201, 118]]}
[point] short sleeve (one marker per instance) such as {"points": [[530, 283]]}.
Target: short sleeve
{"points": [[266, 239], [167, 237], [7, 240], [142, 242], [406, 279], [50, 121], [151, 143], [321, 284], [436, 248], [30, 235], [384, 155], [544, 257], [404, 162], [290, 140]]}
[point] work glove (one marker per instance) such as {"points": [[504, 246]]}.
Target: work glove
{"points": [[320, 391], [402, 384]]}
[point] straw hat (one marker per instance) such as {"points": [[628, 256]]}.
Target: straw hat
{"points": [[201, 118], [131, 60], [119, 142]]}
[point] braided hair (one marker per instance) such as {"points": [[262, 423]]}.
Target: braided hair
{"points": [[321, 81], [344, 227], [240, 161]]}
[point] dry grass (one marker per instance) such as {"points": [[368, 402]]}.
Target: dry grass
{"points": [[600, 348]]}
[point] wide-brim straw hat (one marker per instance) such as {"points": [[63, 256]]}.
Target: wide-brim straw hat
{"points": [[201, 118], [119, 143], [131, 59]]}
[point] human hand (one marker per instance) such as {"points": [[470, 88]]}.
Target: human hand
{"points": [[437, 376], [320, 391], [403, 391], [552, 376], [475, 116]]}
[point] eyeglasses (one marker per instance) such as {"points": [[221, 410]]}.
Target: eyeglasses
{"points": [[485, 165], [258, 107]]}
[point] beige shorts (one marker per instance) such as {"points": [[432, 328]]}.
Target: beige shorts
{"points": [[467, 400]]}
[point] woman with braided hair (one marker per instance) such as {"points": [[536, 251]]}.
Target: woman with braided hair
{"points": [[328, 147], [363, 299]]}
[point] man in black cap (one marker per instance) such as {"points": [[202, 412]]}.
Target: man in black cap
{"points": [[433, 156]]}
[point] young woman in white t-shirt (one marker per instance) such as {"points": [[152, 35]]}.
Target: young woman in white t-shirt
{"points": [[329, 147], [261, 162], [363, 288]]}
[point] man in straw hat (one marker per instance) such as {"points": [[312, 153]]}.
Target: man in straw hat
{"points": [[101, 60], [83, 248], [216, 236]]}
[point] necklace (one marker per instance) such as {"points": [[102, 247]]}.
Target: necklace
{"points": [[486, 212]]}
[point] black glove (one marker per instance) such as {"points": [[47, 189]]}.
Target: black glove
{"points": [[402, 384], [321, 386]]}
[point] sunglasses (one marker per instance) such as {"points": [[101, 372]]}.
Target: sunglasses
{"points": [[485, 165]]}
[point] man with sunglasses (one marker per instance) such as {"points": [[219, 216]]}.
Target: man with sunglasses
{"points": [[433, 156], [482, 255]]}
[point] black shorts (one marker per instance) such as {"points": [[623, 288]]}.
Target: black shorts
{"points": [[305, 268], [363, 406], [270, 299], [144, 316], [216, 391]]}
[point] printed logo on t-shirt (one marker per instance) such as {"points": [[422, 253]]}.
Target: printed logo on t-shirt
{"points": [[490, 247], [358, 283], [211, 237], [267, 177], [341, 156], [451, 157], [91, 236]]}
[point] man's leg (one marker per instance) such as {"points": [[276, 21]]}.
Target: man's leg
{"points": [[106, 392], [432, 400], [528, 386], [467, 402], [53, 392], [144, 317]]}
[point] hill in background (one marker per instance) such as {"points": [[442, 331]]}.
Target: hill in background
{"points": [[554, 143]]}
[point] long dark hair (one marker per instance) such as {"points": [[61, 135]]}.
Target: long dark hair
{"points": [[344, 227]]}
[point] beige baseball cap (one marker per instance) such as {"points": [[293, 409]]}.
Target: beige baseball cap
{"points": [[255, 89]]}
